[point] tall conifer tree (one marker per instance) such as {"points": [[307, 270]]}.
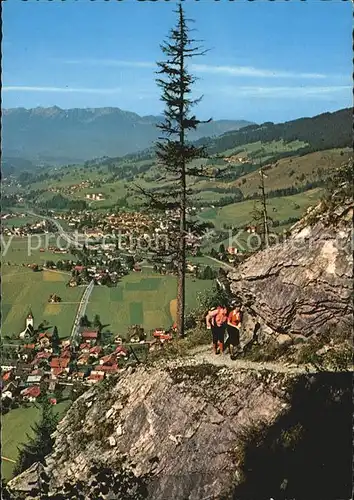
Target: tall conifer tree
{"points": [[174, 153]]}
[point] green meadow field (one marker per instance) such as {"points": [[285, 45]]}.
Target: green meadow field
{"points": [[19, 221], [141, 298], [264, 149], [23, 289], [16, 425], [295, 171], [204, 260], [240, 214], [19, 250]]}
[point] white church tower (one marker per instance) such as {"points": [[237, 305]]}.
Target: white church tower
{"points": [[30, 320], [28, 331]]}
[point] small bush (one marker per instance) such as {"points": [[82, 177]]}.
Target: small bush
{"points": [[268, 352], [110, 382], [181, 347], [307, 354], [197, 373], [338, 357], [341, 358], [78, 413]]}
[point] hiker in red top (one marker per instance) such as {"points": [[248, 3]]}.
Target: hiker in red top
{"points": [[233, 327], [216, 322]]}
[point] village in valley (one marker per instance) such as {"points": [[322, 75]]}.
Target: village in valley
{"points": [[43, 364], [40, 361], [106, 246]]}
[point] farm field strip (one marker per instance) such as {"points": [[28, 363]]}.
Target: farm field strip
{"points": [[21, 251], [240, 214], [266, 148], [294, 171], [145, 299], [140, 298], [24, 291]]}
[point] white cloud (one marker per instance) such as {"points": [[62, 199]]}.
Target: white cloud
{"points": [[241, 71], [82, 90], [286, 92], [251, 71]]}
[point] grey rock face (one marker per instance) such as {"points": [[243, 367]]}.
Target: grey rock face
{"points": [[304, 285], [181, 423]]}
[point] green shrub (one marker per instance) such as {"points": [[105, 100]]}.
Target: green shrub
{"points": [[268, 352], [307, 353], [181, 347], [198, 373]]}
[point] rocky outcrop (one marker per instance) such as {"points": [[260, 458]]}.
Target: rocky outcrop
{"points": [[191, 431], [181, 423], [302, 286]]}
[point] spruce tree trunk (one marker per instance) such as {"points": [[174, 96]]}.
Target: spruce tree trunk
{"points": [[181, 294], [265, 214], [181, 285]]}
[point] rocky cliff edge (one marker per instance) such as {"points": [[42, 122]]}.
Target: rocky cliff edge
{"points": [[303, 286]]}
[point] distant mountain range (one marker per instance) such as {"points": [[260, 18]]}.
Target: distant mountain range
{"points": [[60, 136]]}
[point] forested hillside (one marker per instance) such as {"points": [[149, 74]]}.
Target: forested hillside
{"points": [[325, 131]]}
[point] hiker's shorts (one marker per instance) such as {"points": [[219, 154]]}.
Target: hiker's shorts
{"points": [[234, 335], [218, 334]]}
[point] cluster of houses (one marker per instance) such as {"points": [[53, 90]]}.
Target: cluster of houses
{"points": [[73, 188], [49, 362], [10, 215], [12, 182], [95, 196], [42, 362], [96, 225], [132, 227], [120, 222], [240, 158], [45, 361], [100, 274], [54, 249], [38, 227]]}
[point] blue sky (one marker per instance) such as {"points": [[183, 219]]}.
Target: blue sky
{"points": [[267, 60]]}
